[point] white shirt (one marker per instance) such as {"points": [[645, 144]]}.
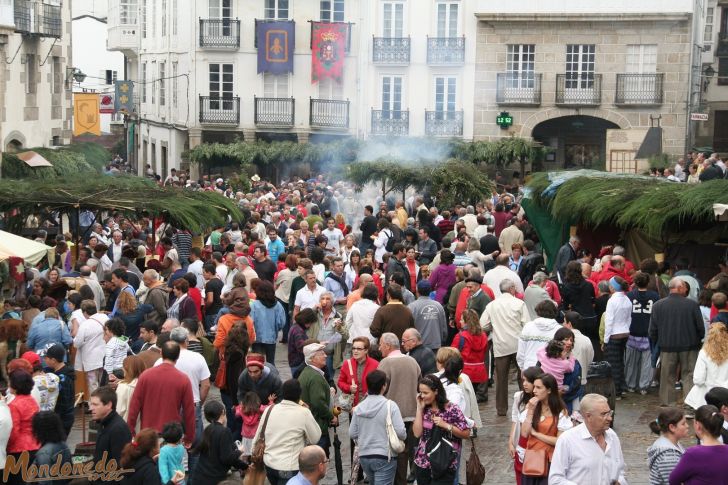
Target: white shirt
{"points": [[335, 237], [194, 366], [508, 315], [618, 316], [494, 277], [196, 269], [359, 319], [305, 298], [6, 426], [579, 460], [89, 343], [116, 251], [583, 352], [221, 271]]}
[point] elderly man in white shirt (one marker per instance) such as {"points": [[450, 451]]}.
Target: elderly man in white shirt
{"points": [[502, 272], [589, 453], [617, 320], [504, 318]]}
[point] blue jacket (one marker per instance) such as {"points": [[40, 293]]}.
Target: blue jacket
{"points": [[267, 321], [275, 249], [48, 455], [45, 333]]}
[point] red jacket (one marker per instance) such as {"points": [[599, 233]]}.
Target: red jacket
{"points": [[22, 410], [463, 301], [473, 352], [159, 395], [346, 378], [609, 271]]}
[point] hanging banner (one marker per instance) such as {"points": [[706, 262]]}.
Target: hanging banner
{"points": [[276, 41], [328, 48], [106, 103], [124, 102], [86, 117]]}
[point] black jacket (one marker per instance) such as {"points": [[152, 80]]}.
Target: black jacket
{"points": [[368, 227], [112, 436], [677, 324], [711, 173], [398, 266], [219, 458], [66, 394], [425, 358], [578, 297], [269, 383], [145, 473]]}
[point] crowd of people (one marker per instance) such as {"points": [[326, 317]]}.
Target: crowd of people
{"points": [[696, 169], [397, 319]]}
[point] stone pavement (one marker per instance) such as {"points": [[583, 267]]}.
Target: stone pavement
{"points": [[632, 416]]}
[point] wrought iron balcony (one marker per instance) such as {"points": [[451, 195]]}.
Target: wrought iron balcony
{"points": [[445, 50], [220, 110], [391, 50], [390, 122], [35, 18], [328, 113], [518, 88], [275, 111], [579, 89], [220, 33], [444, 123], [639, 89]]}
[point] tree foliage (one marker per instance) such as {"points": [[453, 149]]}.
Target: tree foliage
{"points": [[66, 162], [459, 181]]}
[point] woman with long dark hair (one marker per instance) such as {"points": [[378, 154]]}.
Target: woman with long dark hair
{"points": [[434, 411], [236, 348], [139, 457], [543, 420], [665, 453], [708, 461], [217, 450], [269, 318], [520, 400], [577, 294], [48, 430]]}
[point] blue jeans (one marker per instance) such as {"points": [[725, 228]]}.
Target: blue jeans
{"points": [[269, 350], [279, 477], [378, 470]]}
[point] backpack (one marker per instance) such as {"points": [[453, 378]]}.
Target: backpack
{"points": [[440, 452], [389, 246]]}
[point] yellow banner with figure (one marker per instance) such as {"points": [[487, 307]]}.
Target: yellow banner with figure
{"points": [[86, 117]]}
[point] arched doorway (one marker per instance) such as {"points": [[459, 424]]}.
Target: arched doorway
{"points": [[13, 146], [577, 141]]}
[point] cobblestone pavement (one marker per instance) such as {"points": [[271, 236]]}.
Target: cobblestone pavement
{"points": [[632, 416]]}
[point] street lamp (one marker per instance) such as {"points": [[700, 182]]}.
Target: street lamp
{"points": [[708, 74], [76, 74]]}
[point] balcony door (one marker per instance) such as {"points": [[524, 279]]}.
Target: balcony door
{"points": [[220, 12], [392, 20], [447, 19], [579, 80], [330, 89], [221, 87], [392, 97], [445, 97], [641, 61], [520, 64]]}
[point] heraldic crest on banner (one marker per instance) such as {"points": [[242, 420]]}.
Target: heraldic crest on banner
{"points": [[276, 41], [328, 49]]}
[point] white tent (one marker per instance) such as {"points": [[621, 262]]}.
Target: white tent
{"points": [[29, 250]]}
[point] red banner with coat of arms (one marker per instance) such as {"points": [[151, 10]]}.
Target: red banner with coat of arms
{"points": [[328, 48]]}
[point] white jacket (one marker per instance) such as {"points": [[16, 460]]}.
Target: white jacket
{"points": [[6, 426], [123, 397], [359, 319], [707, 375], [89, 343], [534, 336]]}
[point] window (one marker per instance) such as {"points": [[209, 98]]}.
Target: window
{"points": [[109, 76], [153, 19], [57, 69], [128, 12], [162, 84], [164, 18], [330, 89], [31, 74], [276, 9], [447, 19], [144, 82], [275, 86], [332, 10], [145, 151], [143, 19], [175, 84], [154, 157], [220, 9], [444, 95], [391, 97], [708, 33], [392, 19], [520, 63], [174, 17], [642, 59], [722, 71], [153, 81], [579, 66], [221, 85]]}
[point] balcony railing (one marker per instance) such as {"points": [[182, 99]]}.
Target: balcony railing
{"points": [[391, 50], [518, 88], [639, 89], [37, 18], [328, 113], [275, 111], [579, 89], [444, 123], [390, 122], [445, 50], [220, 110], [220, 33]]}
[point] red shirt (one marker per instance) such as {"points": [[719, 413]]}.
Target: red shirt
{"points": [[473, 353], [195, 295], [22, 410]]}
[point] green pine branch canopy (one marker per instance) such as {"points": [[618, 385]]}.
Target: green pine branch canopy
{"points": [[132, 195], [652, 205], [73, 160]]}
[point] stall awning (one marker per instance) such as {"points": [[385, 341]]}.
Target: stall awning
{"points": [[34, 159]]}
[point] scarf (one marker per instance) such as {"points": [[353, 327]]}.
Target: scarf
{"points": [[340, 281]]}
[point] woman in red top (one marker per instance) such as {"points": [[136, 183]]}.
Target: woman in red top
{"points": [[194, 293], [412, 266], [472, 343], [22, 409]]}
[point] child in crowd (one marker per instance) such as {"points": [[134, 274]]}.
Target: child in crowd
{"points": [[249, 410], [172, 453]]}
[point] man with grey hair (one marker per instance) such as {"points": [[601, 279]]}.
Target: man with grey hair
{"points": [[535, 293], [566, 253], [170, 324], [88, 277], [156, 295], [470, 220], [243, 266], [501, 272], [316, 392], [503, 319], [312, 464], [412, 344], [403, 373], [591, 452], [677, 326]]}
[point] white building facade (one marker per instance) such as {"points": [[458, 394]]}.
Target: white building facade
{"points": [[35, 92]]}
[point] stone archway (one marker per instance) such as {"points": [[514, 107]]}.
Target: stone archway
{"points": [[548, 114], [14, 142]]}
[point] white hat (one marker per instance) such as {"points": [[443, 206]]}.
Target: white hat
{"points": [[310, 349], [220, 180]]}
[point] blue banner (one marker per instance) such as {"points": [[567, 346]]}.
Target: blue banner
{"points": [[276, 41], [124, 97]]}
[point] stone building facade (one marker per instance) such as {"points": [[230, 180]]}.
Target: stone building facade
{"points": [[588, 83]]}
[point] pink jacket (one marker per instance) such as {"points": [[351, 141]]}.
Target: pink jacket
{"points": [[556, 367]]}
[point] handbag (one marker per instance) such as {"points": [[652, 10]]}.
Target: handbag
{"points": [[396, 445], [536, 462], [346, 401], [440, 452], [254, 475], [474, 470], [221, 375], [256, 457]]}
